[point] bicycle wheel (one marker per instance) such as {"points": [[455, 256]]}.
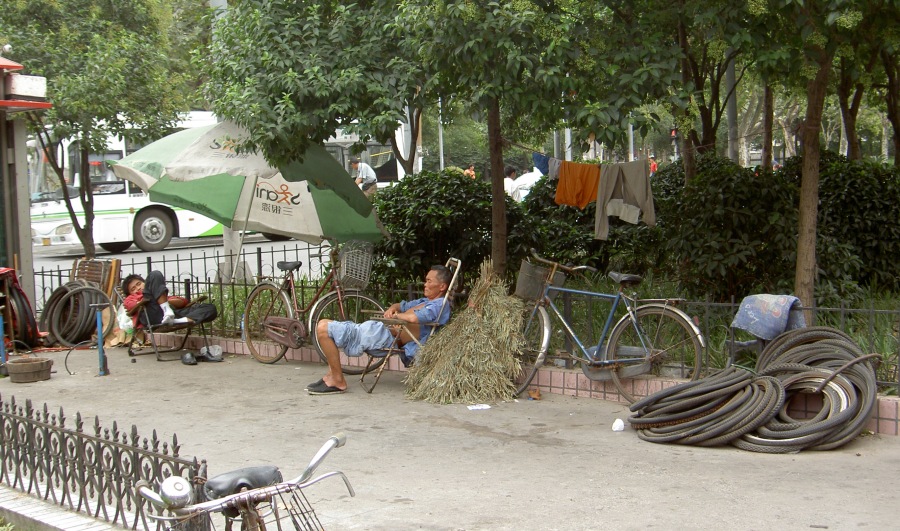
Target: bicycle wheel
{"points": [[673, 347], [264, 301], [536, 334], [356, 307]]}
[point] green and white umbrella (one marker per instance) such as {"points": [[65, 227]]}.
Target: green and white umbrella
{"points": [[199, 170]]}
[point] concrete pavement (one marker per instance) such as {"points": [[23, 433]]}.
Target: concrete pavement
{"points": [[548, 464]]}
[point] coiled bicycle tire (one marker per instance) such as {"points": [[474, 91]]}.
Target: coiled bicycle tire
{"points": [[78, 302]]}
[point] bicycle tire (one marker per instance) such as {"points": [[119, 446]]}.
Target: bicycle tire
{"points": [[536, 337], [23, 319], [265, 300], [48, 312], [355, 308], [673, 342], [78, 310]]}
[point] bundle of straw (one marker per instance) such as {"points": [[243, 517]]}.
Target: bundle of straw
{"points": [[473, 358]]}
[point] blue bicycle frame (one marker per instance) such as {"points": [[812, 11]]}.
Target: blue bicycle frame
{"points": [[595, 356]]}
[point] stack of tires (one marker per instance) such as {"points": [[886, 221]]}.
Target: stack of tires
{"points": [[23, 325], [752, 411], [70, 314]]}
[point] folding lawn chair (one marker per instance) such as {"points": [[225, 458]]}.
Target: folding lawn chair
{"points": [[135, 349], [454, 265]]}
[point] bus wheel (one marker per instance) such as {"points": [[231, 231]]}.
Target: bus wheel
{"points": [[115, 247], [152, 230]]}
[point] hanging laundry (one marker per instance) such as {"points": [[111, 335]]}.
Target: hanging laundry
{"points": [[578, 184], [624, 191], [553, 168], [541, 162]]}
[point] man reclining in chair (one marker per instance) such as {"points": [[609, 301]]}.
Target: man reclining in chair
{"points": [[162, 309], [355, 338]]}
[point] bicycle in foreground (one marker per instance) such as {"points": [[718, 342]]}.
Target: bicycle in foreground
{"points": [[256, 497], [274, 319], [652, 335]]}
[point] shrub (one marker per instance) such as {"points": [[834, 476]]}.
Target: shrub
{"points": [[566, 234], [433, 216], [858, 207], [732, 231]]}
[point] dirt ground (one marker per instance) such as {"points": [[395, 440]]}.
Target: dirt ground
{"points": [[548, 464]]}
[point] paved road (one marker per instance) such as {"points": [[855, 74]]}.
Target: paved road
{"points": [[549, 464]]}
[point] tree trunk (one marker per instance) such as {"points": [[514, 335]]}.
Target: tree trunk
{"points": [[85, 233], [49, 148], [849, 98], [805, 277], [688, 159], [687, 147], [732, 113], [498, 202], [892, 98], [768, 125], [414, 115]]}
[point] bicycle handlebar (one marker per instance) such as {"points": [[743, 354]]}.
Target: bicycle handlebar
{"points": [[142, 488], [566, 268]]}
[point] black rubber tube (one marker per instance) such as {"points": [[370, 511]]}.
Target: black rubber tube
{"points": [[752, 413]]}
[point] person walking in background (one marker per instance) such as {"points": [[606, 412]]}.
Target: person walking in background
{"points": [[365, 177], [653, 166], [469, 171]]}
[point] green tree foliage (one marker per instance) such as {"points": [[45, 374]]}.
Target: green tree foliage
{"points": [[566, 234], [860, 208], [433, 216], [732, 232], [106, 65], [292, 73], [504, 56], [464, 143], [190, 35]]}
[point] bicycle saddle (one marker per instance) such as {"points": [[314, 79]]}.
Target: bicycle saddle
{"points": [[289, 266], [232, 482], [625, 278]]}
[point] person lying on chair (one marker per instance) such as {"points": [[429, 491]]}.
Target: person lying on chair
{"points": [[160, 308], [355, 338]]}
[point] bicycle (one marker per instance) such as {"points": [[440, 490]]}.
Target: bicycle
{"points": [[652, 335], [272, 311], [257, 497]]}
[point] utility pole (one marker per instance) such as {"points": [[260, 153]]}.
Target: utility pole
{"points": [[232, 240], [441, 131], [731, 110]]}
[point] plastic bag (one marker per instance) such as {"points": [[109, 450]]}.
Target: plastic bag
{"points": [[123, 319]]}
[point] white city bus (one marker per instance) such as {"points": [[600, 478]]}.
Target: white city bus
{"points": [[123, 213]]}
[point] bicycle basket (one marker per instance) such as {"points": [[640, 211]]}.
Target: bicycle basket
{"points": [[288, 510], [356, 264], [530, 283]]}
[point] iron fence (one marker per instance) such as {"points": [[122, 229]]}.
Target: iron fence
{"points": [[875, 330], [91, 470]]}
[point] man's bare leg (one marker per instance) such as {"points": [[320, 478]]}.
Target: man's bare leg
{"points": [[335, 376]]}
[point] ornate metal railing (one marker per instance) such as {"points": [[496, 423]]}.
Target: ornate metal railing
{"points": [[91, 470]]}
